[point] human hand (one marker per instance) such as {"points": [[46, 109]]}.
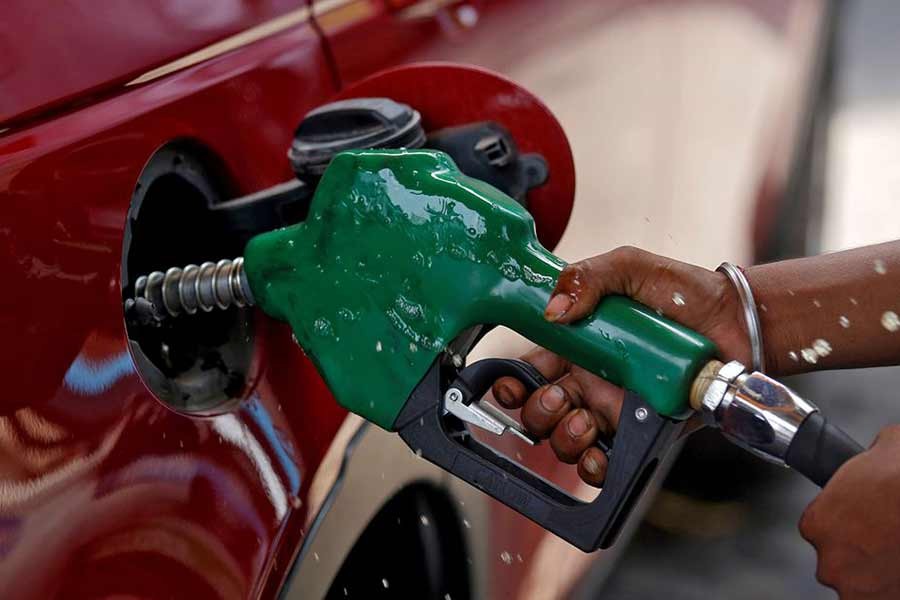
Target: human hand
{"points": [[854, 524], [579, 405]]}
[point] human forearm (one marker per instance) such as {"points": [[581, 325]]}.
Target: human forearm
{"points": [[840, 298]]}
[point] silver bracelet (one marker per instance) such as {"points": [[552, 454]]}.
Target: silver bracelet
{"points": [[754, 329]]}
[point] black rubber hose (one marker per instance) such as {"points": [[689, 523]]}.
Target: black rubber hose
{"points": [[819, 449]]}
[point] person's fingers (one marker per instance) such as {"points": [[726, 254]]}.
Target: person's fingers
{"points": [[581, 284], [573, 388], [592, 466], [552, 366], [544, 409], [543, 414], [574, 434], [601, 397], [562, 299], [810, 522], [509, 392]]}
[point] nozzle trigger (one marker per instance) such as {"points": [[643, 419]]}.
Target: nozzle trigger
{"points": [[463, 399]]}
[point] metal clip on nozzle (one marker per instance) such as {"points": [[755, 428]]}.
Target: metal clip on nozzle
{"points": [[770, 420]]}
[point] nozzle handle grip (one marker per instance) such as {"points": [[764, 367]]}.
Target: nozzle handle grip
{"points": [[623, 341], [819, 449]]}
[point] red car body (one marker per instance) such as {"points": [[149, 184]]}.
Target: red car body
{"points": [[104, 491]]}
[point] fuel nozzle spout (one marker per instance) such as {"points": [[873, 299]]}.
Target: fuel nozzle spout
{"points": [[770, 420], [203, 287]]}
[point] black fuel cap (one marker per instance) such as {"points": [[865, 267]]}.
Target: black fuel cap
{"points": [[352, 124]]}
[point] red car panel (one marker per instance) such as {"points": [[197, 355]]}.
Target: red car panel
{"points": [[54, 54], [105, 491]]}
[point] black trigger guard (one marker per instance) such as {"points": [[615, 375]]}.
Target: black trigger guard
{"points": [[475, 380], [643, 437]]}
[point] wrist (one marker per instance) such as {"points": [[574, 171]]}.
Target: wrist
{"points": [[748, 314], [777, 334]]}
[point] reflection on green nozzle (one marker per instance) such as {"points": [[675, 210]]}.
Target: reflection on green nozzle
{"points": [[401, 252]]}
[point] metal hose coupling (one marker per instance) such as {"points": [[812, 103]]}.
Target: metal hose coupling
{"points": [[204, 287], [758, 413]]}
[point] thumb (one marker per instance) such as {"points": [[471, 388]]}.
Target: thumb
{"points": [[582, 284]]}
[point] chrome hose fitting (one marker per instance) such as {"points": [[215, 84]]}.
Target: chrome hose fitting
{"points": [[204, 287], [758, 413]]}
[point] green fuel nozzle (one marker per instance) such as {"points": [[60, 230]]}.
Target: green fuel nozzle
{"points": [[402, 263]]}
